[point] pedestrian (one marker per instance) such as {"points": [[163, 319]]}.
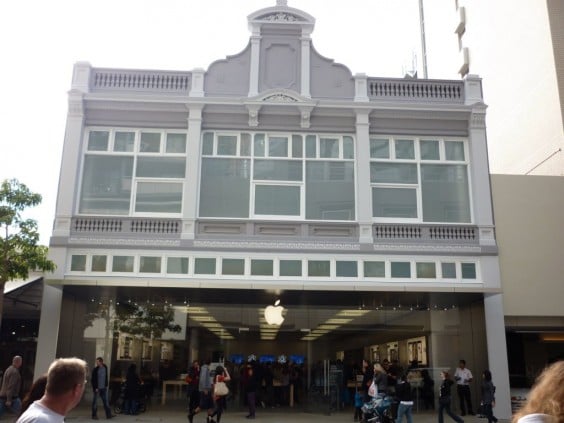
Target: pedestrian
{"points": [[100, 385], [192, 389], [463, 377], [10, 389], [488, 396], [546, 398], [220, 400], [358, 403], [66, 379], [405, 398], [132, 388], [204, 387], [36, 391], [251, 386], [445, 398]]}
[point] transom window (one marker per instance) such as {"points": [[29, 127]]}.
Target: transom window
{"points": [[419, 179], [274, 175], [133, 171]]}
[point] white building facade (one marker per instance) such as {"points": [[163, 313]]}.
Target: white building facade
{"points": [[362, 203]]}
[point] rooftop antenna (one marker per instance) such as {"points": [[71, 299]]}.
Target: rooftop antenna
{"points": [[423, 43]]}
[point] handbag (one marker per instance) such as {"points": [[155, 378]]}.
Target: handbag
{"points": [[220, 389], [373, 390]]}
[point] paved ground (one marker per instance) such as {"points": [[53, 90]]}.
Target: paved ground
{"points": [[174, 412]]}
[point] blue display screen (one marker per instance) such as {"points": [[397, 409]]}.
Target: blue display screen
{"points": [[267, 358], [237, 358], [297, 358]]}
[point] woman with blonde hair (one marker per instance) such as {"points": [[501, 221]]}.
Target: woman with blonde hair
{"points": [[380, 379], [546, 399]]}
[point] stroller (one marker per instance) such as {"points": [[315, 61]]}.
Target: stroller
{"points": [[142, 399], [378, 410]]}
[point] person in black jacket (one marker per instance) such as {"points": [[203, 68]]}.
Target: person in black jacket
{"points": [[405, 397], [445, 398], [488, 396], [132, 387], [99, 380]]}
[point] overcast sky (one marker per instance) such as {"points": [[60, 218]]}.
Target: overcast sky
{"points": [[41, 40]]}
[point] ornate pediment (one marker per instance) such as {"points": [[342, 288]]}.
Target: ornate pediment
{"points": [[283, 98], [280, 17]]}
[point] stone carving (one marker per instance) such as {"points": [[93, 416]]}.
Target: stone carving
{"points": [[253, 115], [281, 17], [280, 98]]}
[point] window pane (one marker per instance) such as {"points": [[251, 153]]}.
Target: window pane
{"points": [[99, 263], [311, 146], [225, 188], [122, 264], [176, 143], [297, 146], [290, 268], [454, 150], [207, 144], [277, 147], [233, 267], [379, 148], [106, 185], [468, 270], [448, 270], [259, 145], [405, 149], [394, 202], [399, 173], [262, 267], [204, 266], [78, 263], [277, 200], [374, 269], [98, 140], [124, 141], [429, 150], [329, 148], [348, 148], [444, 191], [278, 170], [330, 190], [155, 197], [150, 142], [401, 269], [348, 269], [245, 144], [161, 167], [318, 268], [227, 145], [426, 270], [150, 264], [177, 265]]}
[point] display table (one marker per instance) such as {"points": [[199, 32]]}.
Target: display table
{"points": [[177, 390]]}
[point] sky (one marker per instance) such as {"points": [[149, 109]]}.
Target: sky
{"points": [[42, 40]]}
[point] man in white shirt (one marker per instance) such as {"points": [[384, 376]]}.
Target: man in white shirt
{"points": [[66, 379], [463, 377]]}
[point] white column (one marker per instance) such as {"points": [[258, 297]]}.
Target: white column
{"points": [[48, 328], [72, 150], [255, 63], [190, 198], [363, 190], [306, 66], [497, 354], [197, 86], [361, 87]]}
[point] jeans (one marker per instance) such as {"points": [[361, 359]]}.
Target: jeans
{"points": [[15, 407], [405, 409], [488, 412], [103, 393], [445, 406]]}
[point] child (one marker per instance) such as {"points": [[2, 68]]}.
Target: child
{"points": [[358, 402]]}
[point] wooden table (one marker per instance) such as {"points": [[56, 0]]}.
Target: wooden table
{"points": [[177, 384]]}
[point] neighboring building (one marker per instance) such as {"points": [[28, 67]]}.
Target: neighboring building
{"points": [[528, 216], [363, 203], [517, 47]]}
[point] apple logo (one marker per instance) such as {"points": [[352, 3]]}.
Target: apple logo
{"points": [[273, 314]]}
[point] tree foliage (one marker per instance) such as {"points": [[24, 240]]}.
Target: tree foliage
{"points": [[148, 321], [19, 237]]}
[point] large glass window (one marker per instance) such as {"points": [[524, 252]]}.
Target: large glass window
{"points": [[149, 264], [290, 268], [417, 179], [177, 265], [115, 171], [272, 183]]}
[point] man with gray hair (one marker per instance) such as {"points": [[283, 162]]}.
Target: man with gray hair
{"points": [[66, 379], [11, 385]]}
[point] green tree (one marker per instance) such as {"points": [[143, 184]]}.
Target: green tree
{"points": [[19, 237]]}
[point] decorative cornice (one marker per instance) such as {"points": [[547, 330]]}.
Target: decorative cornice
{"points": [[125, 241], [280, 98], [277, 245], [280, 17]]}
